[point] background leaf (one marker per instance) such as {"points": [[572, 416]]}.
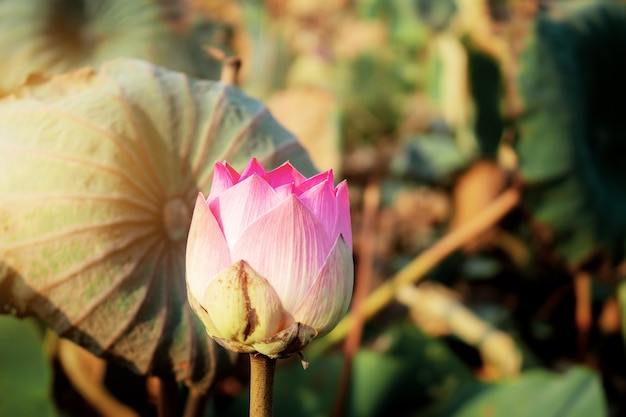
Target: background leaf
{"points": [[576, 393], [54, 36], [572, 128], [407, 372], [25, 372]]}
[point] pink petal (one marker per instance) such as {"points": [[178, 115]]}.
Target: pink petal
{"points": [[329, 297], [314, 180], [322, 202], [285, 174], [224, 177], [253, 167], [288, 246], [284, 191], [343, 224], [207, 252], [242, 204]]}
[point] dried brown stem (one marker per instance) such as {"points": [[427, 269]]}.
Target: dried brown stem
{"points": [[582, 291], [168, 395]]}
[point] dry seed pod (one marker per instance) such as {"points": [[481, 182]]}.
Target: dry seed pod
{"points": [[99, 174]]}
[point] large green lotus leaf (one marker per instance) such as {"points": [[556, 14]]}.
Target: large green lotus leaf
{"points": [[100, 171], [573, 129], [576, 393], [25, 372], [55, 36]]}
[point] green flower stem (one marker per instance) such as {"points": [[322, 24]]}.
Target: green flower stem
{"points": [[262, 370]]}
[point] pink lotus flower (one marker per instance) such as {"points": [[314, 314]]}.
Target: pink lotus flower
{"points": [[269, 258]]}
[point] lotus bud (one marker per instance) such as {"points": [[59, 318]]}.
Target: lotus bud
{"points": [[269, 258]]}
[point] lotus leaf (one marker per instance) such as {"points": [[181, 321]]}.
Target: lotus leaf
{"points": [[100, 170], [55, 36]]}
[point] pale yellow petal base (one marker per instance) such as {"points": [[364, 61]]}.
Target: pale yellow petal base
{"points": [[242, 312]]}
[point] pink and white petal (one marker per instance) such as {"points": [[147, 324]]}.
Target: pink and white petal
{"points": [[242, 204], [288, 245], [233, 172], [224, 177], [314, 180], [243, 306], [285, 174], [253, 167], [284, 191], [329, 297], [322, 202], [207, 252], [343, 225]]}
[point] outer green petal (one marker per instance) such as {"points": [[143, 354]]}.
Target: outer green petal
{"points": [[291, 340], [201, 312], [243, 306]]}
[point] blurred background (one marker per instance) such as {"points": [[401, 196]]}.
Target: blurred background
{"points": [[483, 143]]}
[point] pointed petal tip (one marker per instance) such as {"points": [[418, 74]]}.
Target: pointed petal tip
{"points": [[201, 197], [253, 167], [285, 174]]}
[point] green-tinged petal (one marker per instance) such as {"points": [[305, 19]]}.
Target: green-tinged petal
{"points": [[235, 346], [291, 340], [242, 305], [201, 312], [329, 297]]}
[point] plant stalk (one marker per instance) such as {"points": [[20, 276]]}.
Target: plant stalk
{"points": [[262, 369], [168, 393]]}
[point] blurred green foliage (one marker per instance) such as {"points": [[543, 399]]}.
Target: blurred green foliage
{"points": [[25, 371], [394, 90], [573, 129], [408, 373]]}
